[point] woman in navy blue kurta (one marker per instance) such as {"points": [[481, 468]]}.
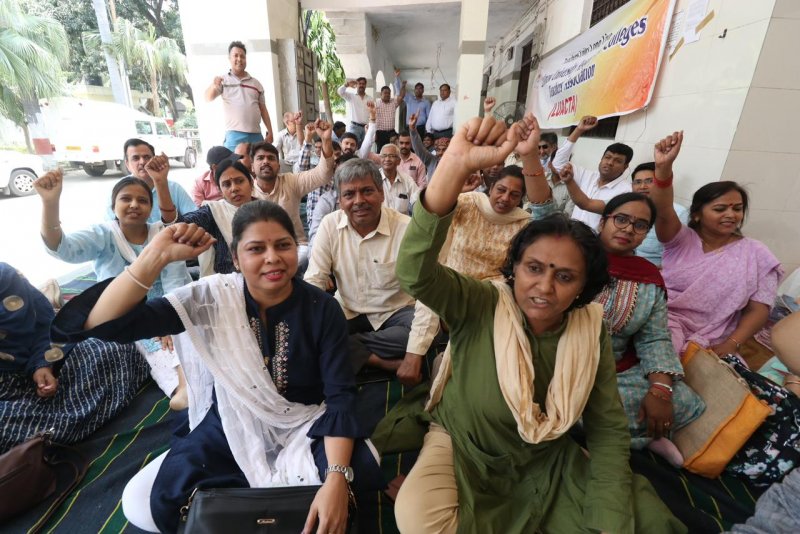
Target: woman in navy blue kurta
{"points": [[70, 390], [303, 340]]}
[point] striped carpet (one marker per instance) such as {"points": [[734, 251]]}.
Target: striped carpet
{"points": [[141, 432]]}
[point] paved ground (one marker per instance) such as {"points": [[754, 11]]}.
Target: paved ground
{"points": [[83, 202]]}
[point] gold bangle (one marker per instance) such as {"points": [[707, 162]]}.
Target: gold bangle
{"points": [[738, 344]]}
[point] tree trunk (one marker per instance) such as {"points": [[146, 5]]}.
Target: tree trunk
{"points": [[36, 136], [171, 99], [154, 89], [117, 88], [27, 133], [326, 100]]}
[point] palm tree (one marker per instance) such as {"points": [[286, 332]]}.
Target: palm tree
{"points": [[33, 50], [159, 57], [118, 88], [321, 40]]}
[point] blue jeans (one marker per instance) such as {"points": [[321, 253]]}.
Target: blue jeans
{"points": [[233, 138]]}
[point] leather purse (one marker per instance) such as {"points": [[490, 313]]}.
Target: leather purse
{"points": [[251, 510], [731, 416], [33, 471]]}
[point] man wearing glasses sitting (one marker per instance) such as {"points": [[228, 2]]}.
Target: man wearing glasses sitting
{"points": [[400, 191], [651, 248]]}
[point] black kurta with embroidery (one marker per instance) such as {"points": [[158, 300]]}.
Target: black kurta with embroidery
{"points": [[304, 344]]}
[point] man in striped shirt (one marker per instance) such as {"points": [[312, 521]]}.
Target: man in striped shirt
{"points": [[385, 107]]}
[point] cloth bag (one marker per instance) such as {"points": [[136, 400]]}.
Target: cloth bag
{"points": [[31, 472], [281, 510], [731, 416]]}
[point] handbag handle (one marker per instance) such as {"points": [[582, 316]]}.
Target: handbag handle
{"points": [[79, 471]]}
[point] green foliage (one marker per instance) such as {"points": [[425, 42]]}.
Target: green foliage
{"points": [[322, 41], [143, 51], [32, 54], [78, 18], [187, 121]]}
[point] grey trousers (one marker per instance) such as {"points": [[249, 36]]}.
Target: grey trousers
{"points": [[388, 342]]}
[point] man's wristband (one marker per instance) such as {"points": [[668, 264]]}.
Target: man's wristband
{"points": [[663, 184]]}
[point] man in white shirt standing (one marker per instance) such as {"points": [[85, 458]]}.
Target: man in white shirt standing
{"points": [[358, 245], [440, 119], [354, 94], [603, 184]]}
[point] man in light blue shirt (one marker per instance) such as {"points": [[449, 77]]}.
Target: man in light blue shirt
{"points": [[137, 154], [415, 103], [651, 248]]}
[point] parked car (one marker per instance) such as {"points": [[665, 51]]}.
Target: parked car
{"points": [[90, 134], [18, 172]]}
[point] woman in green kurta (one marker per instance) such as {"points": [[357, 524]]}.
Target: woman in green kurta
{"points": [[497, 457]]}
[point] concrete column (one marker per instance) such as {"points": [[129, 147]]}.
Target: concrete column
{"points": [[207, 32], [471, 47]]}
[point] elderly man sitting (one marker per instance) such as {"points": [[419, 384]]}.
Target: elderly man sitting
{"points": [[357, 245], [399, 189]]}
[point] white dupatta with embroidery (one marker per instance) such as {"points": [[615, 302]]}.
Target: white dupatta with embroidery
{"points": [[218, 351]]}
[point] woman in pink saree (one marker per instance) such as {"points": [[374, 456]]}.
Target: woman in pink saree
{"points": [[720, 287], [720, 284]]}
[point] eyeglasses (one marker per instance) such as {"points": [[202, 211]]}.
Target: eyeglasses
{"points": [[390, 156], [544, 147], [645, 181], [621, 221]]}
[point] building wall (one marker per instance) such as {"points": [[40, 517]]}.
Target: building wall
{"points": [[765, 153]]}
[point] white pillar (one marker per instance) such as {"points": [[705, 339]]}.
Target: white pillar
{"points": [[471, 47], [208, 30]]}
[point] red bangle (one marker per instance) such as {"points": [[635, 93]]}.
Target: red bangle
{"points": [[663, 184], [659, 396], [534, 174], [661, 388]]}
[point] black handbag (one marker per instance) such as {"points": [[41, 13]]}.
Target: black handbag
{"points": [[258, 510]]}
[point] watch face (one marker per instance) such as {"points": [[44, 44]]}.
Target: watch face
{"points": [[348, 474]]}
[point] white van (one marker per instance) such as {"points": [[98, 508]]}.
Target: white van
{"points": [[91, 134]]}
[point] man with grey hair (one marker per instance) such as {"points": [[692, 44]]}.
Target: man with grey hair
{"points": [[358, 245], [400, 191]]}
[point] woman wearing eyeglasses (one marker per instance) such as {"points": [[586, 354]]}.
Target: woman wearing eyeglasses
{"points": [[649, 373]]}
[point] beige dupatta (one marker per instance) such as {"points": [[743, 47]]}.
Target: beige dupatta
{"points": [[577, 358]]}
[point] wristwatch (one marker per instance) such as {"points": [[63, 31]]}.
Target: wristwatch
{"points": [[347, 471]]}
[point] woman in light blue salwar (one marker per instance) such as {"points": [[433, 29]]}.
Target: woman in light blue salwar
{"points": [[113, 246]]}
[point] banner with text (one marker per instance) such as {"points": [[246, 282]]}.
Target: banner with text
{"points": [[610, 69]]}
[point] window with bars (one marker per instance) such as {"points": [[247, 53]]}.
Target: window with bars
{"points": [[606, 128], [603, 8]]}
